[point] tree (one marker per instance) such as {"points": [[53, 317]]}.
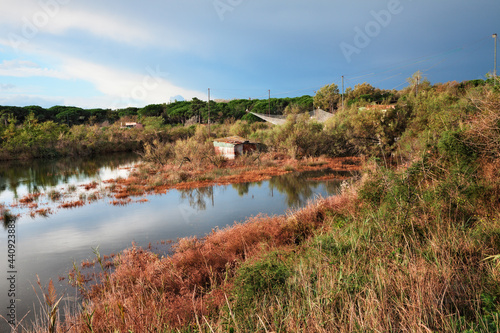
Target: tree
{"points": [[152, 110], [362, 89], [196, 107], [327, 98]]}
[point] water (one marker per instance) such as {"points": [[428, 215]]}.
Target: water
{"points": [[48, 246]]}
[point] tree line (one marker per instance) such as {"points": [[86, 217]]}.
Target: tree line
{"points": [[178, 112]]}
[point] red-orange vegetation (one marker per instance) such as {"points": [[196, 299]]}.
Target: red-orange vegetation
{"points": [[122, 194], [29, 198], [131, 180], [33, 205], [43, 211], [328, 177], [107, 257], [90, 186], [121, 202], [146, 290], [72, 204], [87, 264], [240, 173]]}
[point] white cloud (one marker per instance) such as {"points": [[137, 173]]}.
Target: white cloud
{"points": [[6, 86], [127, 88], [24, 68], [25, 100], [16, 64], [24, 21], [115, 88], [100, 25]]}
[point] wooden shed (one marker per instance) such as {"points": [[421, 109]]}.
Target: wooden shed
{"points": [[233, 146]]}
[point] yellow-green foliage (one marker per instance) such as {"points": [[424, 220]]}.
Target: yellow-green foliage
{"points": [[240, 128], [157, 152], [300, 137], [369, 131]]}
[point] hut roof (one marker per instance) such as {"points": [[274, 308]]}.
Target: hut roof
{"points": [[234, 140]]}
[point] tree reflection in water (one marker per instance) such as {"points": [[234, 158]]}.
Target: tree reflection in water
{"points": [[197, 197], [297, 187], [37, 175]]}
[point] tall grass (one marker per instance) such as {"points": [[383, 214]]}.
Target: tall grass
{"points": [[413, 247]]}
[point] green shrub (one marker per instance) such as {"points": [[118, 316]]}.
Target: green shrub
{"points": [[268, 276], [452, 145]]}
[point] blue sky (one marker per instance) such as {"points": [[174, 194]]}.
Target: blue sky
{"points": [[133, 53]]}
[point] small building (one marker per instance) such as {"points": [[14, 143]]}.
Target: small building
{"points": [[131, 125], [233, 146]]}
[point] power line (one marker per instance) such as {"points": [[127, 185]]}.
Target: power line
{"points": [[364, 74]]}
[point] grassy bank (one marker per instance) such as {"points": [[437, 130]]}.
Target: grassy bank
{"points": [[414, 246]]}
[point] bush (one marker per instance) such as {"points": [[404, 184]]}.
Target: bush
{"points": [[369, 131], [267, 275], [484, 130], [240, 128], [452, 146], [195, 151], [157, 152]]}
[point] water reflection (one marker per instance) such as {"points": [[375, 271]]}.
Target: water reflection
{"points": [[38, 175], [243, 188], [198, 197], [51, 245], [7, 218], [297, 188]]}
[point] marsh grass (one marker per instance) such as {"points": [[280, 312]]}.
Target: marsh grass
{"points": [[54, 195], [413, 247], [336, 265], [193, 281]]}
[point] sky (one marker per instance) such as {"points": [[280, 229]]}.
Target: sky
{"points": [[114, 54]]}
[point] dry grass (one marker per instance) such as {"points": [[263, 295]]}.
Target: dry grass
{"points": [[345, 268], [145, 291]]}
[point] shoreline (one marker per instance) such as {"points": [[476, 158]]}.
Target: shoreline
{"points": [[120, 190], [241, 174]]}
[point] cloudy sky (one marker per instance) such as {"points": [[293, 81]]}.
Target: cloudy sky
{"points": [[133, 53]]}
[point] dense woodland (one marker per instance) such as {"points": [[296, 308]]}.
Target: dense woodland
{"points": [[178, 112]]}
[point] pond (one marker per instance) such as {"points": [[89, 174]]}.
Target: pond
{"points": [[48, 246]]}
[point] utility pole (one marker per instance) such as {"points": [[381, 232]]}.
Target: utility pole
{"points": [[269, 111], [208, 105], [495, 36], [342, 92], [416, 87]]}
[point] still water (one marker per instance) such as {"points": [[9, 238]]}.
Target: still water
{"points": [[48, 246]]}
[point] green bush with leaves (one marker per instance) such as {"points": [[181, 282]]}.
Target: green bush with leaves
{"points": [[267, 275]]}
